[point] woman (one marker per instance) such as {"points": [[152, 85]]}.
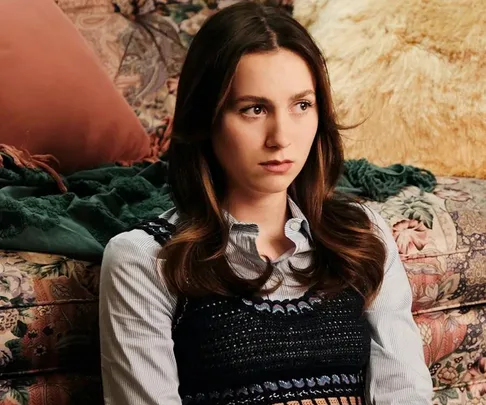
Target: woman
{"points": [[263, 285]]}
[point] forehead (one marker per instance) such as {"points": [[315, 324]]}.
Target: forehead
{"points": [[273, 75]]}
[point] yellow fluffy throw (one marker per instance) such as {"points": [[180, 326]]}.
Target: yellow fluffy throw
{"points": [[415, 71]]}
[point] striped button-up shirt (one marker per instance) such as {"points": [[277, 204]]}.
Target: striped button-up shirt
{"points": [[136, 313]]}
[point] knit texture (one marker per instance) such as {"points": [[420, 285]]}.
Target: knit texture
{"points": [[243, 351], [379, 183]]}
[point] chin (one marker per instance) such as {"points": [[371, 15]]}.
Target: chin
{"points": [[274, 186]]}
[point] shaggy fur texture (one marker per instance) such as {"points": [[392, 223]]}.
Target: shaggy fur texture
{"points": [[415, 71]]}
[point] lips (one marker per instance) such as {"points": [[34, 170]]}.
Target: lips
{"points": [[277, 166], [276, 162]]}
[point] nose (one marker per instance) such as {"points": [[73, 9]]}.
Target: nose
{"points": [[278, 131]]}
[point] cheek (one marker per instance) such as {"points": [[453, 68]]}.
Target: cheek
{"points": [[235, 138], [229, 145], [307, 131]]}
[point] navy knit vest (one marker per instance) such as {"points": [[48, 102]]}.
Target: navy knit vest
{"points": [[312, 350]]}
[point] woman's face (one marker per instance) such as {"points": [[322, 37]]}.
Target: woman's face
{"points": [[268, 123]]}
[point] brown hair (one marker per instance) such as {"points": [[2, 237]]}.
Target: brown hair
{"points": [[348, 252]]}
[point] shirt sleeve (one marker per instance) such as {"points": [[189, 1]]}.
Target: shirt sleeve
{"points": [[397, 374], [136, 309]]}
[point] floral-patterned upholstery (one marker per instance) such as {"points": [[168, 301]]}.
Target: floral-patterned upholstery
{"points": [[142, 45], [442, 241], [48, 330], [49, 351], [141, 53]]}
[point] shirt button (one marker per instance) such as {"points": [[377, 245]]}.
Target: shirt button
{"points": [[295, 226]]}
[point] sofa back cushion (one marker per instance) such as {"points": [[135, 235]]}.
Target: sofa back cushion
{"points": [[55, 96]]}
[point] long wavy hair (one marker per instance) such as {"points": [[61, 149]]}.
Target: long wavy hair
{"points": [[348, 252]]}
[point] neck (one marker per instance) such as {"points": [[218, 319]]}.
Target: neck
{"points": [[268, 211]]}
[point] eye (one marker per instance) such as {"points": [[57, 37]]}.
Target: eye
{"points": [[253, 111], [302, 106]]}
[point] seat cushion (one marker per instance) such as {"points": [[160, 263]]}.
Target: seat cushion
{"points": [[52, 389], [453, 343], [48, 315]]}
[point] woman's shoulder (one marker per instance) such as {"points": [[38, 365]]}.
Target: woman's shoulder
{"points": [[142, 238], [132, 264]]}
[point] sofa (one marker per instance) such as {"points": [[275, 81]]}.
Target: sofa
{"points": [[49, 346]]}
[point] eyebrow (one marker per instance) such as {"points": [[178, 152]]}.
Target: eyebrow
{"points": [[264, 100]]}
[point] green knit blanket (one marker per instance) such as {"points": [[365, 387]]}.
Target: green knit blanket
{"points": [[102, 202]]}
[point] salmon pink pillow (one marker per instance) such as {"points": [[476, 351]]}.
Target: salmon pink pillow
{"points": [[55, 97]]}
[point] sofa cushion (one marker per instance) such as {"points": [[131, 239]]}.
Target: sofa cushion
{"points": [[453, 343], [48, 315], [139, 53], [441, 237], [56, 97], [52, 389]]}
